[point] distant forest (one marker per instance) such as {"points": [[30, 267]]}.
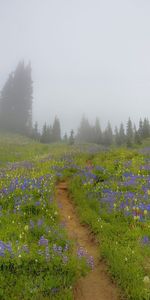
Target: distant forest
{"points": [[16, 101]]}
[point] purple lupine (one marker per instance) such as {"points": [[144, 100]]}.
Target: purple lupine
{"points": [[40, 222], [5, 247], [59, 250], [47, 255], [43, 241], [81, 252], [145, 240], [90, 261], [66, 248], [2, 248], [25, 248], [31, 224], [55, 248]]}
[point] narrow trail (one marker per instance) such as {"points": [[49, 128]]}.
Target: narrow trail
{"points": [[96, 285]]}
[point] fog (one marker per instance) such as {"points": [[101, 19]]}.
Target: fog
{"points": [[88, 57]]}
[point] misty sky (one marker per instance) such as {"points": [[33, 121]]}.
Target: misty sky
{"points": [[88, 57]]}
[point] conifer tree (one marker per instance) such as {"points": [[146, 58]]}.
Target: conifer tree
{"points": [[146, 128], [140, 130], [35, 132], [129, 133], [122, 136], [56, 130], [71, 137], [44, 135], [108, 135], [16, 101], [97, 132], [84, 131], [117, 137]]}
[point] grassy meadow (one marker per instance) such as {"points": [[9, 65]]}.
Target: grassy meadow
{"points": [[111, 192]]}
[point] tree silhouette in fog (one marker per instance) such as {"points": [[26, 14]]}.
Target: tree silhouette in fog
{"points": [[16, 101]]}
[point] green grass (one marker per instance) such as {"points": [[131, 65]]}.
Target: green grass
{"points": [[36, 260], [111, 192], [123, 237]]}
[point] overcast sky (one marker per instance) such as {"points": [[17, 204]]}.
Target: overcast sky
{"points": [[88, 57]]}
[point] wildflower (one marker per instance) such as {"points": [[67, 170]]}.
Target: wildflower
{"points": [[145, 240], [25, 248], [90, 261], [55, 248], [59, 249], [43, 241], [40, 222], [81, 252]]}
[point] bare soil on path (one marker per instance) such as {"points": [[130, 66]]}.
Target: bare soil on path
{"points": [[96, 285]]}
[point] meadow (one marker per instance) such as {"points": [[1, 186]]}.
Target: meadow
{"points": [[111, 192], [112, 195], [36, 260]]}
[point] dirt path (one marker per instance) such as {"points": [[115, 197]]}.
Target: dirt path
{"points": [[97, 284]]}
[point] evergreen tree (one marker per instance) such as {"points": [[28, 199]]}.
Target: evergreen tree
{"points": [[7, 113], [85, 131], [50, 134], [44, 136], [129, 133], [108, 135], [146, 128], [122, 136], [56, 130], [35, 132], [97, 132], [16, 101], [137, 137], [117, 137], [140, 130], [71, 137]]}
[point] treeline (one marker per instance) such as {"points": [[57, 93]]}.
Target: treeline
{"points": [[16, 101], [87, 133], [50, 133], [124, 135]]}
